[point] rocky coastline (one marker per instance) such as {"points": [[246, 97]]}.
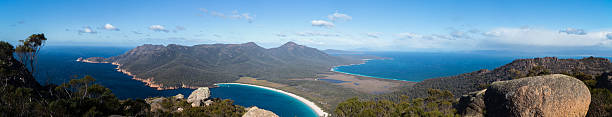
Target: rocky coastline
{"points": [[150, 82]]}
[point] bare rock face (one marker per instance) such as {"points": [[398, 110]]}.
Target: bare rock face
{"points": [[472, 104], [208, 102], [257, 112], [540, 96], [155, 104], [179, 96], [198, 96]]}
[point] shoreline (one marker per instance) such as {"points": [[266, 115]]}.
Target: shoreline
{"points": [[309, 103], [148, 81], [364, 61]]}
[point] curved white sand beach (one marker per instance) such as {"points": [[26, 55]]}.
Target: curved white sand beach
{"points": [[310, 104]]}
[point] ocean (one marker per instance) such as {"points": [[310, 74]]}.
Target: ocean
{"points": [[418, 66], [57, 65]]}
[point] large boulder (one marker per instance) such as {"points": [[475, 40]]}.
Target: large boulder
{"points": [[198, 96], [179, 96], [155, 104], [547, 96], [257, 112], [472, 104]]}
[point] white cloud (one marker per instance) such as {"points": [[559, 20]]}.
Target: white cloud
{"points": [[407, 35], [574, 31], [317, 33], [110, 27], [87, 29], [459, 34], [234, 15], [374, 34], [322, 23], [544, 37], [158, 28], [337, 16], [281, 35], [519, 39]]}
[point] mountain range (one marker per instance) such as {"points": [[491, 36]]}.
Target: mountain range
{"points": [[173, 66]]}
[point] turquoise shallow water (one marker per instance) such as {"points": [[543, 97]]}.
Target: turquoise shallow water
{"points": [[58, 65], [244, 95]]}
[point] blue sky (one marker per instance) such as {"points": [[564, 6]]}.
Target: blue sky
{"points": [[427, 25]]}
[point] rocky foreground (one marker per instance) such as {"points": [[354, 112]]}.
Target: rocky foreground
{"points": [[200, 97], [553, 95]]}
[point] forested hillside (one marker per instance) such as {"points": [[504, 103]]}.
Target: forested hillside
{"points": [[206, 64]]}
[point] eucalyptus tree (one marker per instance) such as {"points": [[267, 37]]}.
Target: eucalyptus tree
{"points": [[29, 49]]}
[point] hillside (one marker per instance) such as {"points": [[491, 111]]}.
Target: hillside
{"points": [[174, 66], [464, 83]]}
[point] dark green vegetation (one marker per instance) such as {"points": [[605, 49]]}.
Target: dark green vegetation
{"points": [[206, 64], [23, 96], [28, 50], [437, 104], [220, 108]]}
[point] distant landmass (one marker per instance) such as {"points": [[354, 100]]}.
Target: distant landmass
{"points": [[590, 67], [334, 51], [174, 66]]}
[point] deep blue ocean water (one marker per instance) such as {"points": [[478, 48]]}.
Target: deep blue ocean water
{"points": [[57, 65], [418, 66]]}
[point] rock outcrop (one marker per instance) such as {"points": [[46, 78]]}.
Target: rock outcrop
{"points": [[257, 112], [548, 96], [179, 96], [198, 96], [155, 104], [472, 104]]}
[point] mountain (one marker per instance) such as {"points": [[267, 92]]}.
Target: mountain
{"points": [[175, 66]]}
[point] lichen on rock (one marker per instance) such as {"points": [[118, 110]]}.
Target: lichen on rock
{"points": [[257, 112], [548, 96], [197, 97]]}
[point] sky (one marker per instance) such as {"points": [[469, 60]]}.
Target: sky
{"points": [[376, 25]]}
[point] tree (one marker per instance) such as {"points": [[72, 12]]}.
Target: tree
{"points": [[29, 49]]}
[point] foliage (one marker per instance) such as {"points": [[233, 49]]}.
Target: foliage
{"points": [[601, 103], [221, 108], [30, 48], [437, 104]]}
